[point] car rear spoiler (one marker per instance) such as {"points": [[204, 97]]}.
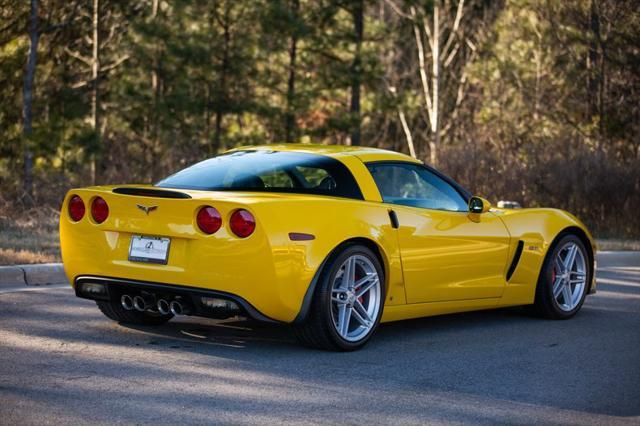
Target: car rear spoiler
{"points": [[149, 192]]}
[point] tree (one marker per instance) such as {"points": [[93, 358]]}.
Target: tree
{"points": [[27, 94], [98, 55], [357, 13], [35, 31], [447, 35]]}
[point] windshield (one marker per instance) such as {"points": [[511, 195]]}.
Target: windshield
{"points": [[268, 171]]}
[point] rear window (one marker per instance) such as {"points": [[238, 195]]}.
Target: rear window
{"points": [[268, 171]]}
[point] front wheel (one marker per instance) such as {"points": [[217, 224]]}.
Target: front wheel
{"points": [[565, 274], [348, 302]]}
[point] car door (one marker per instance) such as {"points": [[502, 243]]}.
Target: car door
{"points": [[447, 253]]}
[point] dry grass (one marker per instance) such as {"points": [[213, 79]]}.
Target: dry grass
{"points": [[31, 237], [618, 245], [22, 257]]}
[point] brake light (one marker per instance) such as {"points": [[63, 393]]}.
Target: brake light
{"points": [[76, 208], [242, 223], [99, 210], [209, 219]]}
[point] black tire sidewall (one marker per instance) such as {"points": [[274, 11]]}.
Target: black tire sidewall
{"points": [[325, 291]]}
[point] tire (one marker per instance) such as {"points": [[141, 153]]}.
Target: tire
{"points": [[115, 311], [333, 298], [567, 300]]}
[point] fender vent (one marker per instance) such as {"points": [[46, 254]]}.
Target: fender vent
{"points": [[148, 192], [516, 259]]}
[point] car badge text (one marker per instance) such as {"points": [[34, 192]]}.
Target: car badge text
{"points": [[146, 209]]}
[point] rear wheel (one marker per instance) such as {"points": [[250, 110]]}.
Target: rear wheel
{"points": [[347, 303], [562, 286], [115, 311]]}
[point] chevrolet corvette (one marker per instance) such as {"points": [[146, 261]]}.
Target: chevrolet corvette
{"points": [[331, 240]]}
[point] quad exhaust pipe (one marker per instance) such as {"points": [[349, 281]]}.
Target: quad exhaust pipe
{"points": [[140, 303], [127, 302], [164, 307], [179, 307], [146, 302]]}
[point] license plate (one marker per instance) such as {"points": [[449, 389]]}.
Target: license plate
{"points": [[149, 249]]}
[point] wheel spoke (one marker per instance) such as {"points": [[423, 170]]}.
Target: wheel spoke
{"points": [[559, 265], [578, 275], [373, 280], [570, 257], [362, 319], [344, 317], [558, 286], [566, 294], [359, 308], [364, 279], [349, 276]]}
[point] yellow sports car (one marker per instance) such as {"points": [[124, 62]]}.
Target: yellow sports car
{"points": [[331, 240]]}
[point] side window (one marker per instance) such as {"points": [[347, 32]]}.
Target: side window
{"points": [[316, 178], [415, 186], [276, 179]]}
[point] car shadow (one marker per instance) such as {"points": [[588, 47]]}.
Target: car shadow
{"points": [[473, 366]]}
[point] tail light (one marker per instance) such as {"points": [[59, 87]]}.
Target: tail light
{"points": [[242, 223], [209, 220], [99, 210], [76, 208]]}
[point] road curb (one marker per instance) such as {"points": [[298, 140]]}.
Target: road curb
{"points": [[11, 276], [32, 275]]}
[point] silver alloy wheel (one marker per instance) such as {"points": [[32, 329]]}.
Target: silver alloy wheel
{"points": [[355, 298], [569, 276]]}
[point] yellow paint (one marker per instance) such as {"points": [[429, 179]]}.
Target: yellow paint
{"points": [[452, 261]]}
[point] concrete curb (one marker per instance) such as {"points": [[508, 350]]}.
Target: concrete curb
{"points": [[32, 275]]}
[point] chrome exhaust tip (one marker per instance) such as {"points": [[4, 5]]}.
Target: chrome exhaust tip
{"points": [[127, 302], [180, 306], [176, 308], [164, 307], [139, 303]]}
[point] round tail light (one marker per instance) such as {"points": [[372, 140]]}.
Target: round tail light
{"points": [[99, 210], [76, 208], [209, 220], [242, 223]]}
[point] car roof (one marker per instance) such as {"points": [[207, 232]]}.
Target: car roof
{"points": [[365, 154]]}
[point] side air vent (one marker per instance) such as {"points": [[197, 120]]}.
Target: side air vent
{"points": [[148, 192], [516, 259]]}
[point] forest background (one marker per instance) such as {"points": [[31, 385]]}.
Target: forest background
{"points": [[531, 101]]}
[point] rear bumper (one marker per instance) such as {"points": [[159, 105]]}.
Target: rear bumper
{"points": [[116, 287]]}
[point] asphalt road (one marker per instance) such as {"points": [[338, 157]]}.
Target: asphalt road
{"points": [[61, 361]]}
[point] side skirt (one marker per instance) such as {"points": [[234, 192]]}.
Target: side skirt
{"points": [[419, 310]]}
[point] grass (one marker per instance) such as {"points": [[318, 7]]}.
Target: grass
{"points": [[32, 237], [618, 245]]}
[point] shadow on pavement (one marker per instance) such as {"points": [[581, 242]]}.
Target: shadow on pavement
{"points": [[489, 366]]}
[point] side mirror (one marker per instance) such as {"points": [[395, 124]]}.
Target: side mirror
{"points": [[478, 205]]}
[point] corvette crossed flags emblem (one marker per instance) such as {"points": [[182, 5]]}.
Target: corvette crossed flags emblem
{"points": [[146, 209]]}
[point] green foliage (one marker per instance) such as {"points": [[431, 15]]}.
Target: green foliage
{"points": [[542, 97]]}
